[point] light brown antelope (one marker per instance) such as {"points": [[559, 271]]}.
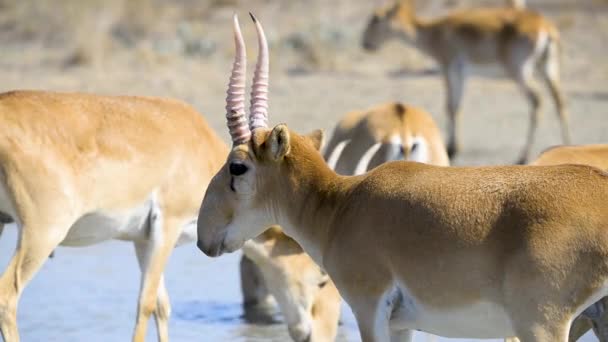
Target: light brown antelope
{"points": [[365, 139], [520, 41], [362, 140], [596, 316], [308, 299], [594, 155], [478, 252], [78, 169]]}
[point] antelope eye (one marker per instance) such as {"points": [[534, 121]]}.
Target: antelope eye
{"points": [[237, 169]]}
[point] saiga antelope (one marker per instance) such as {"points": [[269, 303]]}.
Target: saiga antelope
{"points": [[519, 40], [79, 169], [362, 140], [308, 299], [365, 139], [479, 252], [596, 316]]}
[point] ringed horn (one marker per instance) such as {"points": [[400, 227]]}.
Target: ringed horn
{"points": [[235, 100]]}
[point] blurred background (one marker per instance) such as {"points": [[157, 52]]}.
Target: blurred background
{"points": [[184, 49]]}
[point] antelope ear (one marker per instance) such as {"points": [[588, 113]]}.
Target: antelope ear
{"points": [[278, 142], [316, 137]]}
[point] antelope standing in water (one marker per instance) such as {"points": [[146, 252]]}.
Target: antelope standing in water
{"points": [[596, 316], [477, 252], [79, 169], [518, 40]]}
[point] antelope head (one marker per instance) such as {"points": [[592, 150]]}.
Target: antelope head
{"points": [[237, 206], [388, 22]]}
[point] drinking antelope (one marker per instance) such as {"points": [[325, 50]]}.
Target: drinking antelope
{"points": [[308, 299], [479, 252], [365, 139], [79, 169], [596, 316], [519, 40]]}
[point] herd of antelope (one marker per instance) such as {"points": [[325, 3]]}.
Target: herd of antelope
{"points": [[379, 218]]}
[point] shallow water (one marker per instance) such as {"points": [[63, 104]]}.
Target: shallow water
{"points": [[89, 294]]}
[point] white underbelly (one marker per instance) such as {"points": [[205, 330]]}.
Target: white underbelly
{"points": [[479, 320], [100, 226]]}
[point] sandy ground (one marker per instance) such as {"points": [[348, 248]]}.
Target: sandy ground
{"points": [[313, 85], [319, 71]]}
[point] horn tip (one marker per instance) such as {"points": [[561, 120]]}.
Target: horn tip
{"points": [[253, 17]]}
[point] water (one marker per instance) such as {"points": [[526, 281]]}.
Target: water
{"points": [[90, 294]]}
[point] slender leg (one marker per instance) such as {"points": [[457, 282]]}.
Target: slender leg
{"points": [[372, 316], [163, 305], [455, 75], [551, 74], [37, 240], [524, 75], [164, 234]]}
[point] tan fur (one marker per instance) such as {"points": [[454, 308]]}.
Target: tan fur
{"points": [[439, 239], [307, 297], [517, 40], [380, 124], [597, 156], [67, 156], [285, 266], [594, 155]]}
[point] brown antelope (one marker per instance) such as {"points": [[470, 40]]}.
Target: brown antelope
{"points": [[479, 252], [308, 299], [79, 169], [594, 155], [362, 140], [365, 139], [520, 41], [596, 316]]}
